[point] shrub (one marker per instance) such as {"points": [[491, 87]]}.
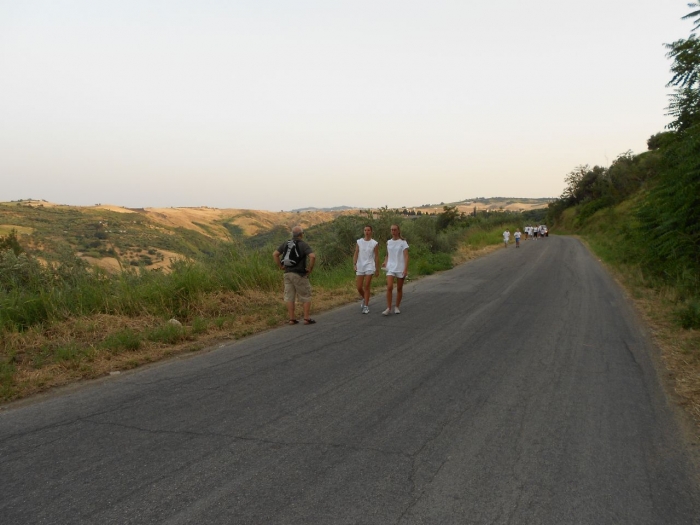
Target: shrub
{"points": [[689, 315]]}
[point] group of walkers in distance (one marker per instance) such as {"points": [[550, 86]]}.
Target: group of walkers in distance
{"points": [[531, 232], [291, 257]]}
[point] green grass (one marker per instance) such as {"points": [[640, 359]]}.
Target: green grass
{"points": [[199, 325], [430, 263], [71, 354], [125, 339], [7, 380], [167, 334], [480, 237]]}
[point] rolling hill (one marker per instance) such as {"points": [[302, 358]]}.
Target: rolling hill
{"points": [[115, 237]]}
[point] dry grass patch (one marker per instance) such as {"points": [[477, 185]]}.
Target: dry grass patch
{"points": [[251, 222], [680, 349], [467, 253], [45, 357], [6, 229]]}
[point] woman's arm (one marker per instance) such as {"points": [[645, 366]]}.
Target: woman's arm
{"points": [[405, 262], [354, 257], [376, 260]]}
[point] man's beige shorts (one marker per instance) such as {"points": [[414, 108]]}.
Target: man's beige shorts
{"points": [[298, 286]]}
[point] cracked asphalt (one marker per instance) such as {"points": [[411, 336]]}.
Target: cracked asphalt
{"points": [[519, 388]]}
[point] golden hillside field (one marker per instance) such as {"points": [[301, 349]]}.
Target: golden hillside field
{"points": [[114, 237]]}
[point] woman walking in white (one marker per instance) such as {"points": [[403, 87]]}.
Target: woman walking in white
{"points": [[366, 264], [396, 265]]}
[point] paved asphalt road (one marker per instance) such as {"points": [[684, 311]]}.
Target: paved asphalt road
{"points": [[517, 388]]}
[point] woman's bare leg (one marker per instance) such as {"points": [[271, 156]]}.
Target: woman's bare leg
{"points": [[367, 283], [389, 289], [358, 284], [399, 291]]}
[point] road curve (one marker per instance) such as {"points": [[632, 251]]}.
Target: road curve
{"points": [[516, 389]]}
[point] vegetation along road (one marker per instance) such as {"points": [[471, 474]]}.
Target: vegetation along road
{"points": [[517, 388]]}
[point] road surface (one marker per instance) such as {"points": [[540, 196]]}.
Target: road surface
{"points": [[518, 388]]}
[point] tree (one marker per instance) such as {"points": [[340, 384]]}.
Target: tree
{"points": [[448, 217], [669, 215], [693, 14], [686, 62], [659, 140], [10, 242]]}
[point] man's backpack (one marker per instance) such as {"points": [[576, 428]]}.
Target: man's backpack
{"points": [[292, 256]]}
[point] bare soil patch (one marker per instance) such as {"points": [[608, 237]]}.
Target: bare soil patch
{"points": [[106, 263]]}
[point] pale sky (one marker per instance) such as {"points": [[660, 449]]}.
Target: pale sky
{"points": [[287, 104]]}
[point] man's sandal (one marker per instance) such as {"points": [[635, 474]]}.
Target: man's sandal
{"points": [[309, 321], [292, 321]]}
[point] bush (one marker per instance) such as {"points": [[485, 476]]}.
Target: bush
{"points": [[10, 242], [689, 315]]}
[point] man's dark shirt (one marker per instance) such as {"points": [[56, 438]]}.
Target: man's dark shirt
{"points": [[304, 249]]}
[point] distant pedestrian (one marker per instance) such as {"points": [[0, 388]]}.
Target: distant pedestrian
{"points": [[366, 264], [396, 265], [291, 257], [517, 238], [506, 237]]}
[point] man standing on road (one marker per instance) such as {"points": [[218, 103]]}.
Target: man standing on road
{"points": [[291, 257]]}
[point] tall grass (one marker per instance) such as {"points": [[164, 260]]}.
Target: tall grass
{"points": [[32, 294]]}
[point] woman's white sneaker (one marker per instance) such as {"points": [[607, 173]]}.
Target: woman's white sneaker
{"points": [[387, 311], [396, 310], [365, 309]]}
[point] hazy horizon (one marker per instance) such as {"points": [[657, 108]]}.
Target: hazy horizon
{"points": [[300, 208], [283, 105]]}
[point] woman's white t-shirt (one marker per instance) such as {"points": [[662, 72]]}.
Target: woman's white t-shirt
{"points": [[365, 255], [395, 249]]}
